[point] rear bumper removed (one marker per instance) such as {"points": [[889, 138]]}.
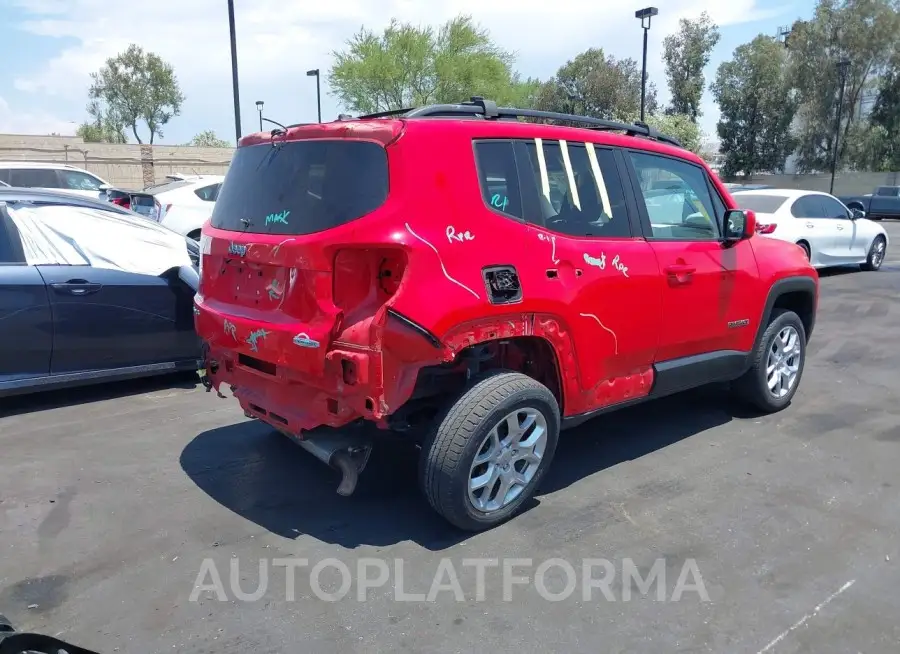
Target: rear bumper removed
{"points": [[346, 450]]}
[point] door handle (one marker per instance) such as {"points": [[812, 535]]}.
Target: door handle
{"points": [[76, 287], [680, 269], [680, 273], [810, 225], [840, 227]]}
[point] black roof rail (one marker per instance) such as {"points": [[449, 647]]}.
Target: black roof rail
{"points": [[478, 107]]}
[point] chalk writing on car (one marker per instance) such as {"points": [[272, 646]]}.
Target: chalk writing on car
{"points": [[462, 237]]}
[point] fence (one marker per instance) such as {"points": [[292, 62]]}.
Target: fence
{"points": [[845, 183], [136, 166], [130, 166]]}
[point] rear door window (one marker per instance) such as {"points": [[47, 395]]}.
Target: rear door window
{"points": [[301, 187], [33, 178], [579, 189], [79, 181], [808, 206]]}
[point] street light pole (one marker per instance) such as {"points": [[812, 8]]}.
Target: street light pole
{"points": [[234, 74], [315, 73], [842, 67], [644, 15], [259, 108]]}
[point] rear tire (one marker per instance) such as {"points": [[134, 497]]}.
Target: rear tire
{"points": [[779, 359], [508, 422], [195, 235], [877, 252], [805, 247]]}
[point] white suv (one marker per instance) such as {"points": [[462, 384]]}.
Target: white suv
{"points": [[61, 177]]}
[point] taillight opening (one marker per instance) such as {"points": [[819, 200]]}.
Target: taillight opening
{"points": [[765, 228], [365, 279]]}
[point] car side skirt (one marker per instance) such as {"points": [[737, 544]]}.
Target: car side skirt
{"points": [[20, 386]]}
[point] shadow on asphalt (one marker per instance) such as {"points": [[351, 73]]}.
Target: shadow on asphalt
{"points": [[20, 404], [267, 479]]}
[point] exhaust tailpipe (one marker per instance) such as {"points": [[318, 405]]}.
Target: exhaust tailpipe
{"points": [[348, 454]]}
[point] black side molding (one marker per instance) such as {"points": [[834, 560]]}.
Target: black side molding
{"points": [[685, 373], [416, 327], [679, 375]]}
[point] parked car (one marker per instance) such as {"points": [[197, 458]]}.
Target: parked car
{"points": [[90, 292], [183, 205], [349, 275], [829, 233], [60, 177], [884, 202]]}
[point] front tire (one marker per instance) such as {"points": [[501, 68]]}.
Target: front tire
{"points": [[805, 247], [777, 364], [490, 450], [876, 254]]}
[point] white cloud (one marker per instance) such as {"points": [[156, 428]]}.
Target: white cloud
{"points": [[278, 40], [17, 122]]}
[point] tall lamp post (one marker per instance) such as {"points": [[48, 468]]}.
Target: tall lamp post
{"points": [[315, 73], [234, 75], [842, 67], [644, 15], [259, 108]]}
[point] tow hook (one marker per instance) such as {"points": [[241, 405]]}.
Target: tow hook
{"points": [[346, 453]]}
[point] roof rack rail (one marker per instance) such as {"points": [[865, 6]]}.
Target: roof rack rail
{"points": [[478, 107]]}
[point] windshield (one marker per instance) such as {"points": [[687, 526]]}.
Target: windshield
{"points": [[301, 187], [759, 203]]}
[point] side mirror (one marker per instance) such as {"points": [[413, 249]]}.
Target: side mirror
{"points": [[739, 225], [856, 214], [104, 187]]}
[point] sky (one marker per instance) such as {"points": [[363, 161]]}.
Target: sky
{"points": [[50, 47]]}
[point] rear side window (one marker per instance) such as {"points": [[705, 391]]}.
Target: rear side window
{"points": [[301, 187], [33, 178], [889, 191], [759, 203], [208, 193], [498, 176]]}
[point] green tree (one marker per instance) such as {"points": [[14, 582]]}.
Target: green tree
{"points": [[100, 132], [686, 53], [681, 126], [208, 139], [884, 131], [756, 102], [864, 32], [594, 84], [135, 86], [410, 66]]}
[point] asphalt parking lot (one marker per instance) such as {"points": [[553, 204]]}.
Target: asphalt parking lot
{"points": [[112, 498]]}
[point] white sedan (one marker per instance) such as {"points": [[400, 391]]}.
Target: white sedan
{"points": [[829, 232], [182, 205]]}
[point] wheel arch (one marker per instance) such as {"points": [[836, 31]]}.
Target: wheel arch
{"points": [[798, 294], [545, 344]]}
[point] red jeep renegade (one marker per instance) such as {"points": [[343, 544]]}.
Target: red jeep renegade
{"points": [[479, 283]]}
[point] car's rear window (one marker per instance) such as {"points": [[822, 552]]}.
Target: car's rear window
{"points": [[759, 203], [301, 187]]}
